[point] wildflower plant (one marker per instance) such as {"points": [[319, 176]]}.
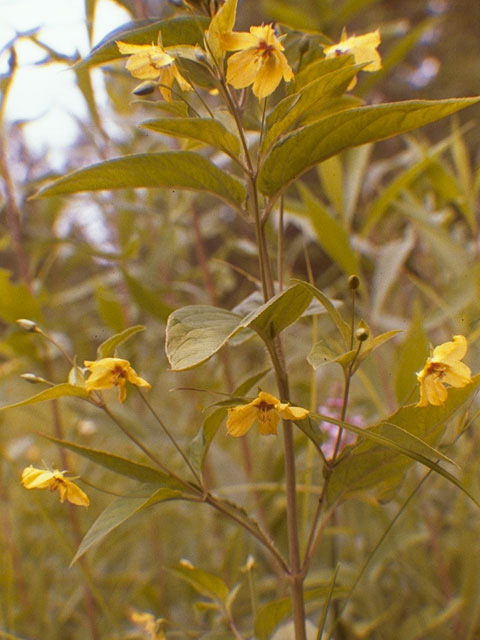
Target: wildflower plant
{"points": [[251, 113]]}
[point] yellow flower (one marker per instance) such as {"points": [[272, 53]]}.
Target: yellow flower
{"points": [[260, 60], [148, 62], [112, 372], [443, 366], [267, 410], [33, 478], [363, 48], [147, 623]]}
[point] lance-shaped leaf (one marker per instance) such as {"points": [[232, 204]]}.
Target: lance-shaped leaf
{"points": [[206, 583], [278, 313], [52, 393], [372, 464], [321, 353], [180, 30], [197, 332], [108, 346], [340, 323], [205, 130], [172, 169], [122, 466], [117, 512], [319, 90], [304, 148], [270, 615]]}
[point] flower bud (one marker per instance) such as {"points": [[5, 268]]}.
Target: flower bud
{"points": [[361, 334], [353, 282], [186, 563], [27, 325], [145, 88], [32, 378]]}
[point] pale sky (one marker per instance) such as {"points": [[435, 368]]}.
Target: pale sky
{"points": [[48, 93]]}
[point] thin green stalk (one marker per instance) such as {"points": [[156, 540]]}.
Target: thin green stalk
{"points": [[258, 534], [191, 487], [169, 436]]}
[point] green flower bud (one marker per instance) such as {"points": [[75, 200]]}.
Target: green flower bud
{"points": [[353, 282]]}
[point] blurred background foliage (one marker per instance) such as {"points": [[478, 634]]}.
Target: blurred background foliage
{"points": [[404, 212]]}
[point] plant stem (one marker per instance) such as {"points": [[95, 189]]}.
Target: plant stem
{"points": [[169, 436]]}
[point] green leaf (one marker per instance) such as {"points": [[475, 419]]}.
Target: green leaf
{"points": [[148, 301], [340, 323], [390, 192], [321, 354], [271, 614], [279, 312], [17, 300], [122, 466], [205, 130], [292, 108], [331, 234], [302, 149], [377, 464], [108, 346], [410, 357], [331, 175], [319, 67], [194, 333], [206, 583], [172, 169], [389, 266], [180, 30], [117, 512], [57, 391]]}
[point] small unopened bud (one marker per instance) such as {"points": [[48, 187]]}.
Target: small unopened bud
{"points": [[145, 88], [27, 325], [361, 334], [186, 563], [32, 378], [353, 282], [250, 564]]}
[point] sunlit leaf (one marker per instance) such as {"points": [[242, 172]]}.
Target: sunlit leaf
{"points": [[120, 465], [108, 346], [205, 130], [368, 464], [118, 512], [204, 582], [179, 30], [302, 149], [171, 169], [194, 333], [52, 393], [331, 234]]}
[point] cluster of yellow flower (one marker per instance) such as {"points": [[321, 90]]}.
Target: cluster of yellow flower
{"points": [[259, 60], [444, 366]]}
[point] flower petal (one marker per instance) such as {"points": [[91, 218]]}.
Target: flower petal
{"points": [[240, 40], [458, 375], [268, 422], [240, 419], [242, 68], [75, 495], [451, 352]]}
